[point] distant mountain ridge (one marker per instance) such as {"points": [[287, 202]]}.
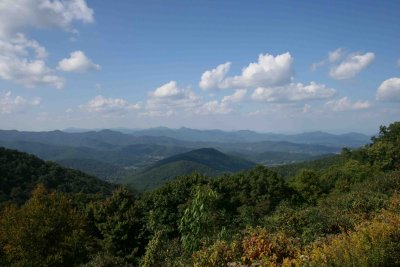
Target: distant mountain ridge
{"points": [[351, 139], [317, 137], [108, 154]]}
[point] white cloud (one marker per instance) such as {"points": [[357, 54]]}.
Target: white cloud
{"points": [[225, 106], [293, 92], [214, 107], [237, 97], [398, 62], [21, 46], [167, 90], [77, 62], [333, 56], [17, 15], [17, 104], [169, 98], [345, 104], [389, 90], [269, 70], [109, 106], [351, 66], [211, 79], [22, 61]]}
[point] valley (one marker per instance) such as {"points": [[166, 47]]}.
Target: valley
{"points": [[126, 157]]}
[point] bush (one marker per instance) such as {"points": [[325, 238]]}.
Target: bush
{"points": [[373, 243]]}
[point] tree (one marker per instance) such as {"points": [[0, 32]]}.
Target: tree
{"points": [[46, 231], [119, 225], [198, 224]]}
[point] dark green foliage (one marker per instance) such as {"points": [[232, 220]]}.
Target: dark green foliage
{"points": [[119, 225], [46, 231], [250, 195], [164, 206], [20, 173]]}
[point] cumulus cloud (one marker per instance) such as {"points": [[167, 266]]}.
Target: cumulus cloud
{"points": [[109, 106], [22, 61], [21, 46], [351, 66], [212, 79], [225, 106], [77, 62], [293, 92], [345, 104], [17, 104], [170, 98], [269, 70], [236, 97], [17, 15], [389, 90]]}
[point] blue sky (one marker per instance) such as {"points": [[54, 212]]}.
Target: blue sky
{"points": [[269, 66]]}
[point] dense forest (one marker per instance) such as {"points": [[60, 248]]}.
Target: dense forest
{"points": [[338, 211]]}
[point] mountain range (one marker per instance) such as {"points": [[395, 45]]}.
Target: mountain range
{"points": [[351, 139], [114, 155]]}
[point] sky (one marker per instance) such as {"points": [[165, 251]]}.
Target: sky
{"points": [[267, 66]]}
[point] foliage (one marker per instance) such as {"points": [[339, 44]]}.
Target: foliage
{"points": [[119, 225], [199, 223], [219, 254], [46, 231], [373, 243], [250, 195], [164, 206], [260, 247], [20, 173]]}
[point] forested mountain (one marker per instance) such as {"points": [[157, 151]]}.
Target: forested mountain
{"points": [[108, 154], [207, 161], [20, 173], [338, 211]]}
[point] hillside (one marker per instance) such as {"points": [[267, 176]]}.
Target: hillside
{"points": [[207, 161], [20, 173], [102, 170], [119, 156], [107, 154]]}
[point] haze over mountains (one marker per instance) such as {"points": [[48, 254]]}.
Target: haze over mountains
{"points": [[186, 134], [133, 155]]}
